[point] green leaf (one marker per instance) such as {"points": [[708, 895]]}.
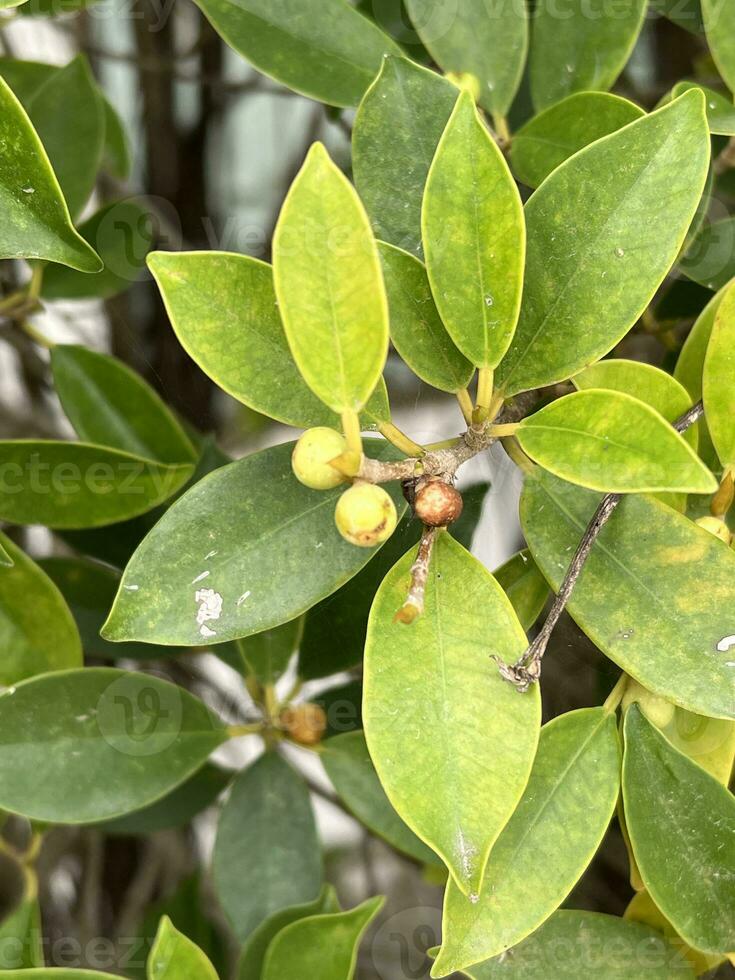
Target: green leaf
{"points": [[525, 586], [718, 384], [178, 808], [681, 823], [719, 26], [416, 328], [37, 631], [343, 707], [348, 764], [710, 256], [267, 855], [80, 746], [608, 440], [577, 945], [592, 266], [547, 844], [254, 951], [329, 285], [586, 48], [710, 742], [44, 973], [325, 49], [397, 129], [642, 908], [223, 310], [78, 485], [648, 384], [434, 685], [5, 560], [689, 369], [225, 563], [36, 222], [26, 77], [109, 404], [323, 946], [720, 110], [67, 111], [642, 597], [89, 589], [174, 957], [267, 654], [121, 233], [557, 133], [474, 238], [469, 36], [684, 13]]}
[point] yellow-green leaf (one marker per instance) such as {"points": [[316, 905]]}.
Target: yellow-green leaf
{"points": [[545, 847], [681, 823], [643, 597], [175, 957], [329, 285], [416, 328], [593, 265], [474, 238], [557, 133], [323, 946], [451, 741], [607, 440], [648, 384], [718, 383], [36, 221]]}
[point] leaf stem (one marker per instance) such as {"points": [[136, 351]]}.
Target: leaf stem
{"points": [[527, 669], [235, 731], [400, 440], [351, 429], [465, 403], [616, 695], [500, 125], [502, 431], [484, 392], [36, 335]]}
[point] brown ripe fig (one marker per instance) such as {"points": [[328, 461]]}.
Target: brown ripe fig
{"points": [[304, 723], [437, 504]]}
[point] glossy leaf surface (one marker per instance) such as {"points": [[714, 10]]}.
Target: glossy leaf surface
{"points": [[593, 217], [710, 255], [576, 944], [73, 729], [681, 823], [329, 285], [321, 945], [267, 855], [325, 49], [175, 957], [37, 223], [551, 137], [111, 405], [642, 597], [581, 46], [718, 384], [416, 328], [79, 485], [610, 441], [433, 685], [525, 586], [719, 25], [414, 104], [230, 557], [474, 238], [37, 631], [720, 109], [547, 844], [489, 42]]}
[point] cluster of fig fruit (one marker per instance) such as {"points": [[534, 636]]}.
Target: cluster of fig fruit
{"points": [[365, 514]]}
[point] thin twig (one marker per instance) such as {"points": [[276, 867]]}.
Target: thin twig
{"points": [[527, 669], [414, 604]]}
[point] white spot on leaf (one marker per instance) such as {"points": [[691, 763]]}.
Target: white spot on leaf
{"points": [[726, 643], [210, 607]]}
